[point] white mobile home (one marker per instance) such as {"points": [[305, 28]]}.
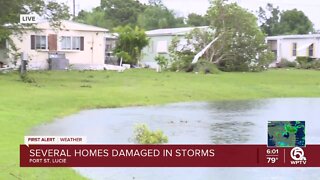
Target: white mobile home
{"points": [[292, 46], [160, 40], [81, 44]]}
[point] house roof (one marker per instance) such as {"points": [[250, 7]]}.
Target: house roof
{"points": [[112, 36], [173, 31], [298, 36], [71, 25]]}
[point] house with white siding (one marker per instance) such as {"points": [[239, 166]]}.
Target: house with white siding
{"points": [[81, 44], [160, 40], [292, 46]]}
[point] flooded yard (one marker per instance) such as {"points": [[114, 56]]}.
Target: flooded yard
{"points": [[227, 122]]}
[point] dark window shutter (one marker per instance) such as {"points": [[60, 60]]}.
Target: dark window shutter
{"points": [[33, 42], [52, 42], [81, 43]]}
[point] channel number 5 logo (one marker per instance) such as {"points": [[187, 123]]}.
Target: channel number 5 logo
{"points": [[297, 154]]}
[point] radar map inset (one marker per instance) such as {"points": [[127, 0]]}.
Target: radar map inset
{"points": [[286, 134]]}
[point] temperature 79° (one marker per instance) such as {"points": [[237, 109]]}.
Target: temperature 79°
{"points": [[272, 160]]}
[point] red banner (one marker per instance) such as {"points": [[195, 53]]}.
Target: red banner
{"points": [[167, 156]]}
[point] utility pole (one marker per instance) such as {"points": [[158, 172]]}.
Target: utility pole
{"points": [[74, 9]]}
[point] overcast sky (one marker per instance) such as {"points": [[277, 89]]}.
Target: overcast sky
{"points": [[183, 7]]}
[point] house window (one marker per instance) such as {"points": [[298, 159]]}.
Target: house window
{"points": [[66, 43], [294, 49], [311, 50], [39, 42], [72, 43], [162, 47], [75, 43]]}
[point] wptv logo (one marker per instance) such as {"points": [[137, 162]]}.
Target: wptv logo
{"points": [[28, 19], [297, 154]]}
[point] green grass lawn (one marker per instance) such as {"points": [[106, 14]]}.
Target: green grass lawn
{"points": [[56, 94]]}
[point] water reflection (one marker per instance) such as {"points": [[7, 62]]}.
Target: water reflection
{"points": [[241, 106], [231, 132], [230, 122]]}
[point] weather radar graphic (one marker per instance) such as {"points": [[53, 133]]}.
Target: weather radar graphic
{"points": [[286, 134]]}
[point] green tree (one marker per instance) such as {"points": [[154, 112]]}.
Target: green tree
{"points": [[273, 22], [197, 20], [241, 44], [294, 22], [10, 18], [114, 13], [121, 12], [10, 14], [96, 17], [180, 22], [159, 16], [130, 43], [269, 19]]}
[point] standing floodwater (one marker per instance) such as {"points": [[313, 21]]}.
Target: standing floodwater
{"points": [[227, 122]]}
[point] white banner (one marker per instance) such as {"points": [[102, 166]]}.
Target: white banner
{"points": [[52, 140]]}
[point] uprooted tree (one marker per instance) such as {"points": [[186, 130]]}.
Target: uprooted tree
{"points": [[241, 44], [182, 53]]}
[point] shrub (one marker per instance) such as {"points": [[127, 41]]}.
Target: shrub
{"points": [[316, 64], [143, 135], [127, 59], [204, 67], [311, 65], [284, 63], [308, 63], [230, 63], [302, 60], [162, 61], [182, 63], [27, 79]]}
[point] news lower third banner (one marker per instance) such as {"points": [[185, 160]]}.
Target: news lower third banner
{"points": [[167, 156], [286, 147]]}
